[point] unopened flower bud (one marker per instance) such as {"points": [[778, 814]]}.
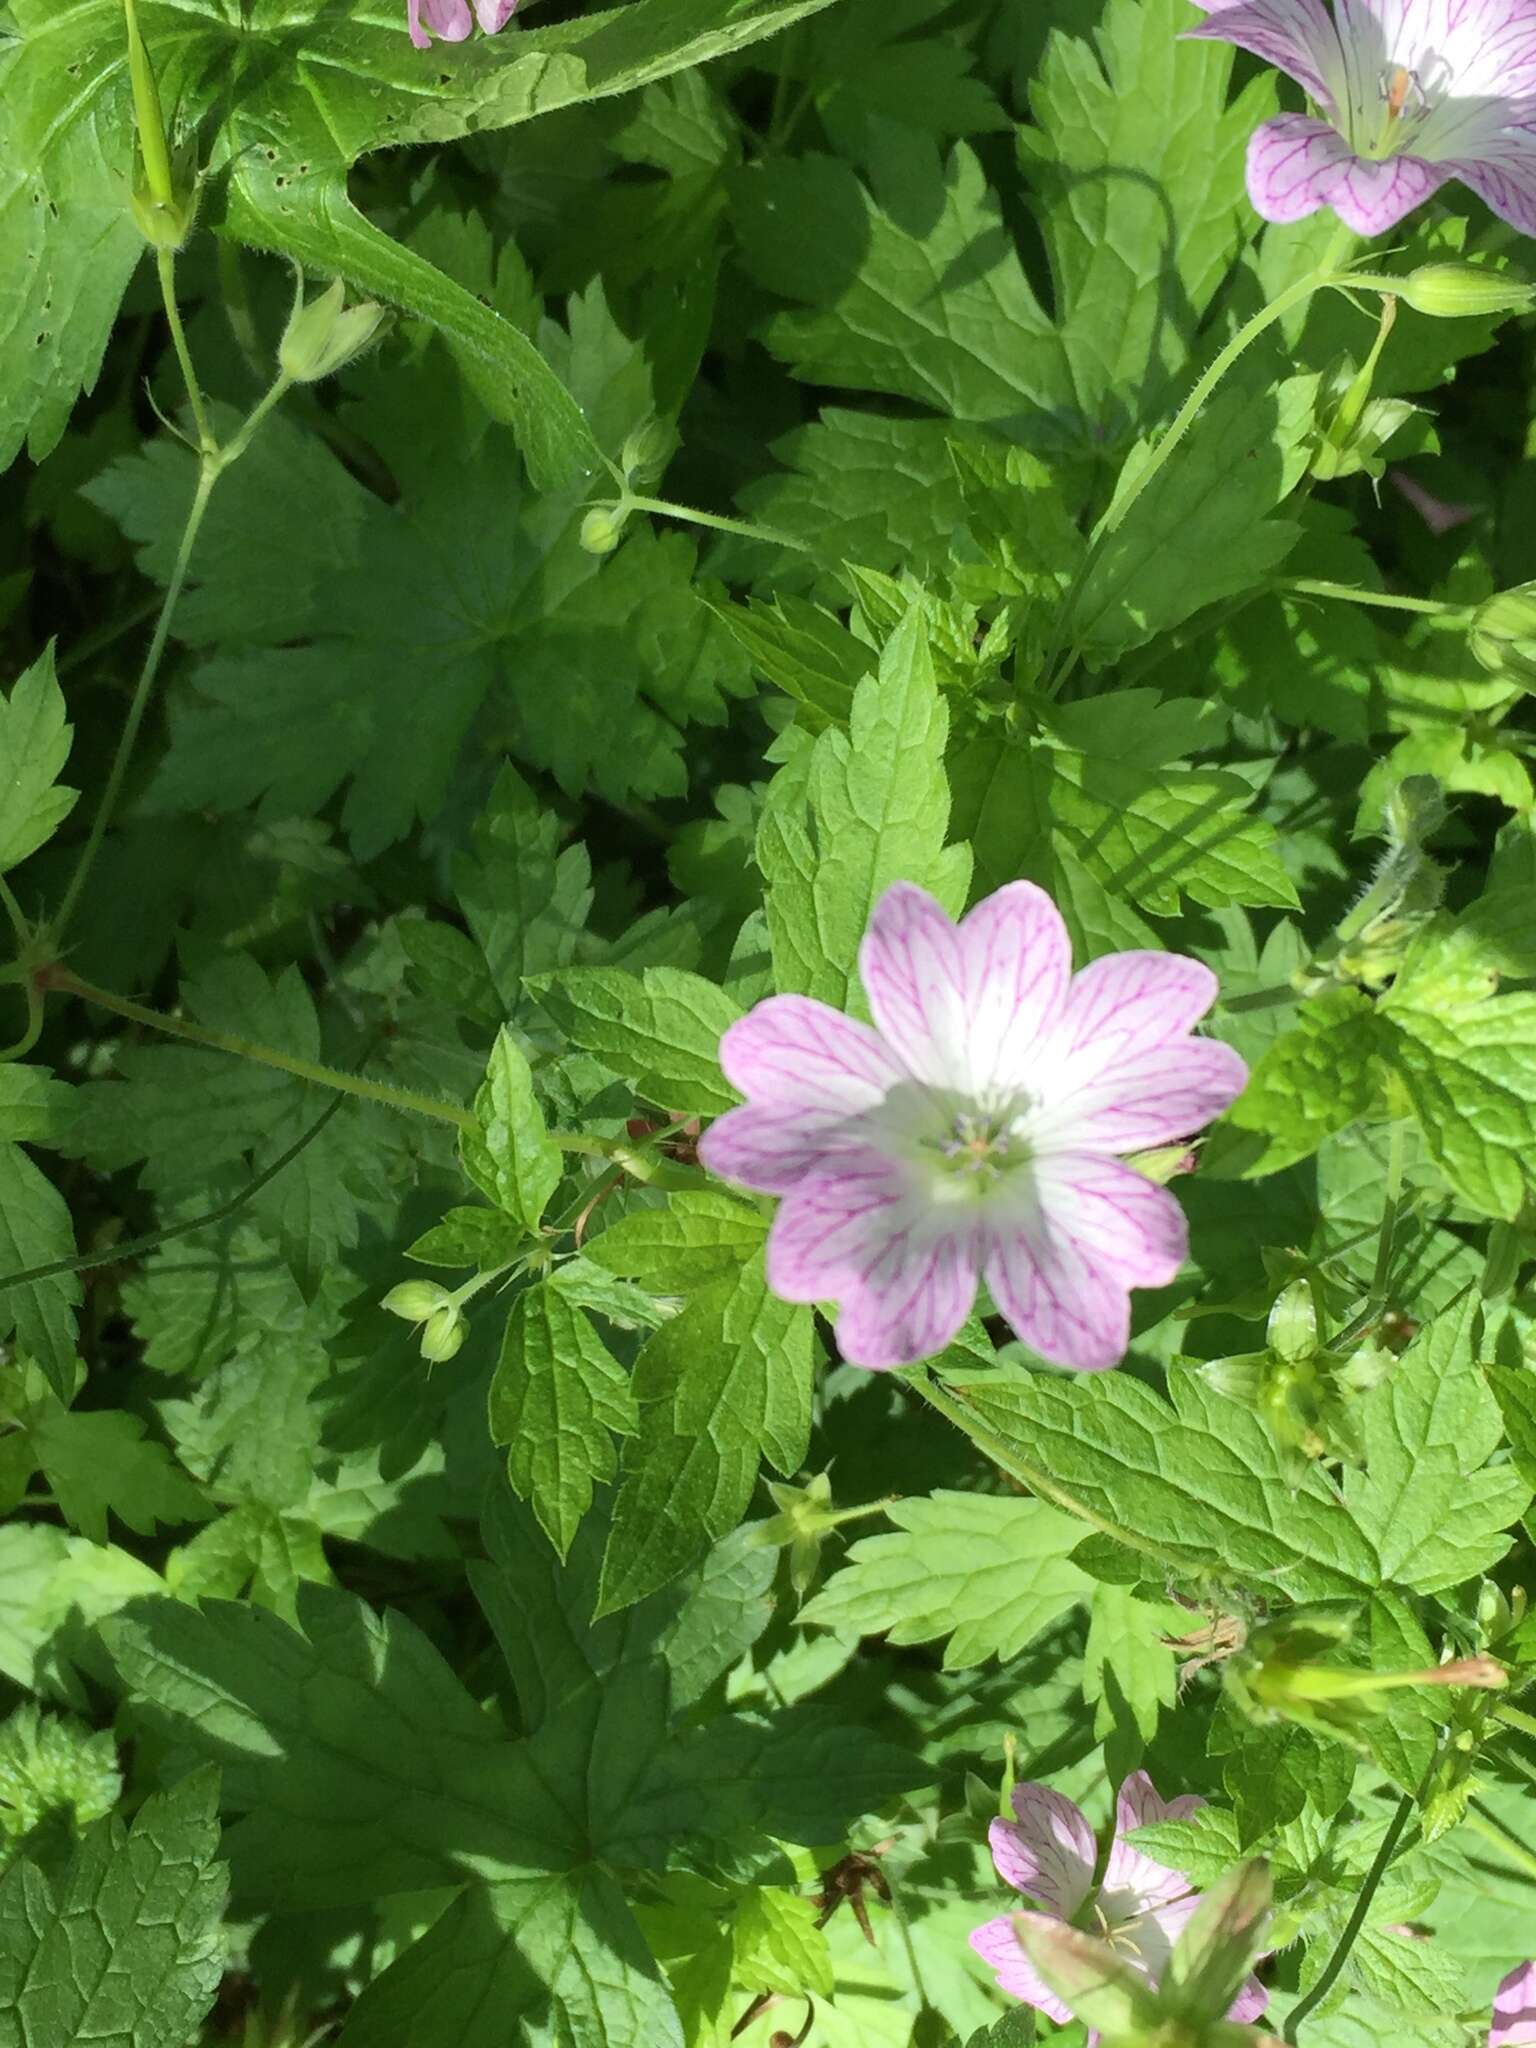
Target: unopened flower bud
{"points": [[646, 452], [1460, 291], [416, 1300], [324, 336], [166, 223], [1503, 635], [163, 196], [443, 1334], [600, 530]]}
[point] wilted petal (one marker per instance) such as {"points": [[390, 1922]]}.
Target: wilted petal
{"points": [[1129, 1872], [1298, 36], [793, 1050], [911, 1299], [1296, 165], [1047, 1851], [1063, 1258], [997, 1943], [1514, 2009]]}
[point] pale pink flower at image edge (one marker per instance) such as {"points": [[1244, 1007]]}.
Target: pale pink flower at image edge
{"points": [[1047, 1853], [1413, 93], [1514, 2010], [451, 21], [978, 1130]]}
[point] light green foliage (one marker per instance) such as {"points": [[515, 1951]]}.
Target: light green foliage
{"points": [[35, 1230], [1129, 1675], [51, 1765], [696, 1238], [990, 1574], [1316, 1079], [725, 1381], [34, 745], [98, 1464], [867, 807], [659, 1029], [1469, 1067], [556, 1399], [510, 1156], [122, 1941]]}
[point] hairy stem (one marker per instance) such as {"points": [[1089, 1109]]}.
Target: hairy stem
{"points": [[264, 1055], [668, 510], [165, 266], [1356, 1920], [1318, 586]]}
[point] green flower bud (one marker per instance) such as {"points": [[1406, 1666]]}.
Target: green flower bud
{"points": [[443, 1334], [1503, 635], [601, 529], [416, 1300], [646, 452], [166, 223], [163, 197], [324, 336], [1459, 291]]}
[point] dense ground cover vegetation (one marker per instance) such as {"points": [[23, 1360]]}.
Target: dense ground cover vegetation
{"points": [[611, 1436]]}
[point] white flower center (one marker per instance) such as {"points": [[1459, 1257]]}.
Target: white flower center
{"points": [[1408, 96], [965, 1147]]}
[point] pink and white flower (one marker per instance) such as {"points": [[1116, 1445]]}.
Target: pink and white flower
{"points": [[1514, 2010], [976, 1131], [451, 20], [1048, 1854], [1412, 93]]}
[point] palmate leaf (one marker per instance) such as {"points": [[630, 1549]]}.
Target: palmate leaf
{"points": [[299, 93], [121, 1943]]}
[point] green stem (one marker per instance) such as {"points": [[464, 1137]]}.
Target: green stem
{"points": [[265, 1055], [34, 1027], [1035, 1477], [668, 510], [1356, 1920], [1317, 586], [165, 266], [247, 433], [134, 1247], [1515, 1717], [1263, 999], [207, 475]]}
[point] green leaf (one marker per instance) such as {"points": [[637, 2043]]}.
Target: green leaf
{"points": [[98, 1463], [1123, 119], [727, 1380], [780, 1945], [995, 1572], [1434, 1508], [1470, 1071], [803, 651], [1128, 1668], [870, 809], [34, 745], [525, 900], [660, 1030], [361, 1765], [1201, 529], [123, 1943], [1316, 1079], [34, 1108], [35, 1229], [556, 1400], [696, 1238], [915, 289], [557, 1957], [511, 1157], [315, 90], [1200, 1485]]}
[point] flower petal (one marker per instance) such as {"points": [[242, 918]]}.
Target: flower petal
{"points": [[1064, 1254], [1047, 1851], [913, 1295], [449, 20], [1296, 35], [773, 1148], [1017, 962], [493, 15], [1296, 165], [1170, 1092], [913, 970], [1514, 2009], [793, 1050], [1251, 2000], [1504, 178], [831, 1229], [1129, 1870], [997, 1943], [1128, 1003]]}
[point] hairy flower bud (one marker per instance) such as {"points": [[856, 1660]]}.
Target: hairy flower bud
{"points": [[416, 1300], [327, 334], [443, 1333], [601, 529], [1460, 291], [1503, 635]]}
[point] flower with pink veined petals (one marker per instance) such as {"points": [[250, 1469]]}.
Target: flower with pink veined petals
{"points": [[451, 20], [1413, 93], [977, 1131], [1514, 2010], [1047, 1853]]}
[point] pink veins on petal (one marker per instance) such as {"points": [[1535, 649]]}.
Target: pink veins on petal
{"points": [[1411, 94], [977, 1129], [1514, 2010], [1048, 1854]]}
